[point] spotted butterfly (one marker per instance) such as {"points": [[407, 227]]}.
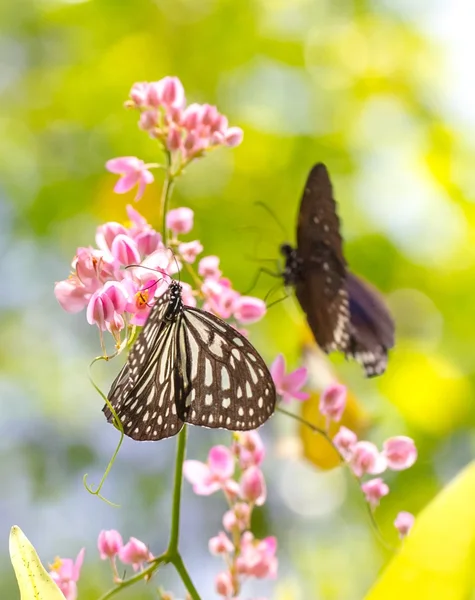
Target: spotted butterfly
{"points": [[344, 313], [189, 366]]}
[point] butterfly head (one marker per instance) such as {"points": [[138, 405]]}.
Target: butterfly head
{"points": [[292, 266], [175, 304]]}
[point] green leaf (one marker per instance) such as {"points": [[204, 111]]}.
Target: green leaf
{"points": [[437, 560], [33, 579]]}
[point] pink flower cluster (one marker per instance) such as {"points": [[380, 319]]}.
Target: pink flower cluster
{"points": [[119, 281], [187, 130], [245, 556], [65, 573]]}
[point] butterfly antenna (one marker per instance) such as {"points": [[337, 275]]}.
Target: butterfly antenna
{"points": [[275, 301], [257, 277], [274, 216]]}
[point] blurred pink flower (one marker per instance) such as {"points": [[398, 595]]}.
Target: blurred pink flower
{"points": [[374, 490], [403, 523], [133, 171], [65, 573], [190, 250], [72, 294], [209, 267], [253, 486], [224, 585], [247, 309], [400, 452], [207, 478], [135, 553], [233, 136], [367, 459], [249, 448], [109, 543], [345, 441], [333, 401], [220, 544], [238, 517], [124, 250], [105, 234], [288, 386], [180, 220], [257, 557]]}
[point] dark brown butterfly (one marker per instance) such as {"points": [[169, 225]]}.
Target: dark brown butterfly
{"points": [[344, 313]]}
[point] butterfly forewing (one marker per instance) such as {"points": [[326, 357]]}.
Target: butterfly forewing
{"points": [[189, 366], [321, 289]]}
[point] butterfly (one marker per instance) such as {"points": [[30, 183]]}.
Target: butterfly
{"points": [[344, 312], [189, 366]]}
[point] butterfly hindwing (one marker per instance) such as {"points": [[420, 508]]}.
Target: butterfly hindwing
{"points": [[189, 366]]}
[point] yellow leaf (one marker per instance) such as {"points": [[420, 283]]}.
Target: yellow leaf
{"points": [[437, 560], [33, 580]]}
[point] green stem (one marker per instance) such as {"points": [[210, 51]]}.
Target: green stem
{"points": [[139, 577], [166, 193], [185, 577], [175, 527]]}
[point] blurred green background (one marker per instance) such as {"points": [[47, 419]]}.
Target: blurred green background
{"points": [[382, 92]]}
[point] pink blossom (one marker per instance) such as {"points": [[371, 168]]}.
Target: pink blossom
{"points": [[345, 441], [257, 557], [233, 137], [105, 234], [174, 141], [224, 585], [135, 553], [149, 120], [133, 171], [124, 250], [139, 223], [403, 523], [207, 478], [253, 486], [100, 309], [247, 309], [71, 294], [191, 117], [187, 294], [139, 92], [400, 452], [367, 459], [249, 448], [91, 267], [220, 544], [190, 250], [109, 543], [333, 401], [180, 220], [148, 241], [238, 518], [117, 292], [288, 386], [209, 267], [374, 490], [65, 573], [172, 93], [141, 298], [220, 297]]}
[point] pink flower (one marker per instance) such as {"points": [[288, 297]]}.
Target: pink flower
{"points": [[180, 220], [72, 294], [288, 386], [148, 241], [65, 573], [400, 452], [257, 556], [109, 543], [220, 297], [187, 294], [253, 486], [207, 478], [139, 92], [171, 92], [174, 140], [374, 490], [367, 459], [224, 585], [220, 544], [249, 448], [124, 250], [91, 267], [238, 518], [191, 117], [403, 523], [209, 267], [345, 441], [333, 401], [135, 553], [134, 172], [190, 250], [105, 234], [141, 298], [247, 309], [100, 309], [233, 136]]}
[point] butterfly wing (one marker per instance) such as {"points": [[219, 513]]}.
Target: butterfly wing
{"points": [[371, 326], [321, 289], [230, 384], [142, 394]]}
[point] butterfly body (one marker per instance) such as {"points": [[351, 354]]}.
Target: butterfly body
{"points": [[189, 366], [344, 313]]}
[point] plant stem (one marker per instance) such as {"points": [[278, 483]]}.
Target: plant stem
{"points": [[184, 576], [166, 193], [175, 526]]}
